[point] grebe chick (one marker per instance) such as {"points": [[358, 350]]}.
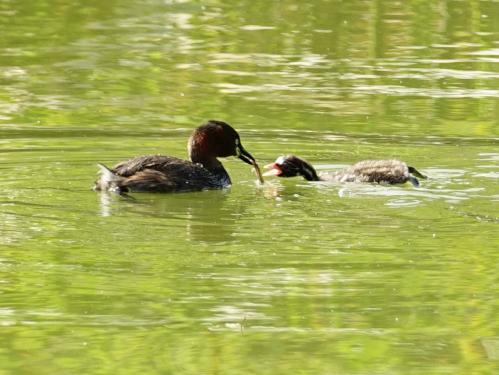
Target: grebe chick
{"points": [[165, 174], [378, 171]]}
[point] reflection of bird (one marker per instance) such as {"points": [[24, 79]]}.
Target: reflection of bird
{"points": [[203, 217], [379, 171], [157, 173]]}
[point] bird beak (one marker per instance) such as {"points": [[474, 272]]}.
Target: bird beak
{"points": [[273, 169], [248, 158], [244, 155]]}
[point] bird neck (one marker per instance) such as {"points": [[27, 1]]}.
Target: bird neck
{"points": [[309, 173], [209, 162], [213, 165], [221, 175]]}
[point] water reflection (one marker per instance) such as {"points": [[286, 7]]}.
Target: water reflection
{"points": [[491, 346], [206, 216], [185, 57]]}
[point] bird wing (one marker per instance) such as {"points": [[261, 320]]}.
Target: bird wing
{"points": [[391, 171], [164, 174], [154, 162]]}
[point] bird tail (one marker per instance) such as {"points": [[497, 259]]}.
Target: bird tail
{"points": [[108, 180], [416, 173], [107, 175]]}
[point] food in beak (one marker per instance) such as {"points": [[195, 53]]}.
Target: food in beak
{"points": [[258, 172], [247, 158]]}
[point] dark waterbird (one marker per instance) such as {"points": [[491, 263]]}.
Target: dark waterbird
{"points": [[165, 174], [376, 171]]}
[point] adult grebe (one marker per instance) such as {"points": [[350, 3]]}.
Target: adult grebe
{"points": [[165, 174]]}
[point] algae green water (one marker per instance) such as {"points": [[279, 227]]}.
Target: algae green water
{"points": [[287, 278]]}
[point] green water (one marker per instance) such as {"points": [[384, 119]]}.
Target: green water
{"points": [[287, 278]]}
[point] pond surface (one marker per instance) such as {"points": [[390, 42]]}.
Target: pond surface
{"points": [[287, 278]]}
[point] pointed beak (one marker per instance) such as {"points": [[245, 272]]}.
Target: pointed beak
{"points": [[248, 158], [273, 169], [244, 155]]}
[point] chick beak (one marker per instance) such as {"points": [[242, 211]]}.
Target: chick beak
{"points": [[248, 158], [273, 169]]}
